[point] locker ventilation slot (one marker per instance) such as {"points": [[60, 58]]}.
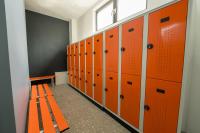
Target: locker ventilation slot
{"points": [[131, 30], [160, 91], [129, 82]]}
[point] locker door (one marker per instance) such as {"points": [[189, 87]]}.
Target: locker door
{"points": [[132, 36], [82, 56], [112, 91], [88, 82], [76, 57], [130, 99], [68, 62], [98, 86], [112, 50], [72, 65], [77, 79], [98, 49], [161, 106], [88, 53], [82, 82], [166, 42]]}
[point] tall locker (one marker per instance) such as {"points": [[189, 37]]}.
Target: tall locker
{"points": [[98, 67], [89, 66], [68, 62], [112, 45], [166, 42], [82, 66], [77, 64], [131, 50], [165, 58], [70, 67], [73, 64]]}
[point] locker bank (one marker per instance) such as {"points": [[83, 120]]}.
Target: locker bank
{"points": [[100, 66]]}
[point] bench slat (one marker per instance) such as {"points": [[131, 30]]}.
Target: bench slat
{"points": [[33, 123], [34, 94], [47, 89], [46, 117], [41, 91], [61, 122]]}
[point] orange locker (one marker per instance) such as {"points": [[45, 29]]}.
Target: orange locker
{"points": [[98, 86], [82, 56], [88, 82], [161, 106], [68, 62], [77, 57], [132, 41], [130, 99], [72, 57], [112, 40], [111, 91], [77, 79], [82, 82], [88, 53], [98, 49], [166, 42]]}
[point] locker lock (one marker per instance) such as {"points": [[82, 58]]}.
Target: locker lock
{"points": [[80, 79], [97, 74], [85, 53], [106, 89], [94, 85], [146, 107], [150, 46], [94, 52], [98, 40], [122, 97], [85, 81], [79, 54], [122, 49], [106, 51]]}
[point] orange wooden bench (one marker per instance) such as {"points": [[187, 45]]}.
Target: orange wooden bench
{"points": [[47, 104]]}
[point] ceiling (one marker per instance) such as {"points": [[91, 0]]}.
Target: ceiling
{"points": [[63, 9]]}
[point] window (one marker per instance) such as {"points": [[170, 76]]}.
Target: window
{"points": [[104, 16], [116, 10]]}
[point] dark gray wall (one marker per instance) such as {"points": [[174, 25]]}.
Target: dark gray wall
{"points": [[7, 120], [47, 39]]}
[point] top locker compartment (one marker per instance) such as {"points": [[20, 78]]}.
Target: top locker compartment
{"points": [[166, 42], [82, 56], [88, 53], [112, 46], [132, 41], [98, 49]]}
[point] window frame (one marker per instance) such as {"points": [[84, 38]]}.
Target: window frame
{"points": [[115, 14]]}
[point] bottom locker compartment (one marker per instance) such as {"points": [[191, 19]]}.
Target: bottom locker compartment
{"points": [[130, 99], [88, 82], [98, 86], [77, 79], [161, 106], [111, 91], [82, 82]]}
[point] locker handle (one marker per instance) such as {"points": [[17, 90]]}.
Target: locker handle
{"points": [[94, 85], [111, 36], [122, 49], [88, 72], [85, 81], [98, 40], [160, 91], [106, 89], [146, 107], [111, 78], [129, 82], [97, 74], [150, 46], [82, 71], [88, 42], [106, 51], [80, 79], [163, 20], [79, 54], [131, 30], [122, 97], [86, 53], [94, 52]]}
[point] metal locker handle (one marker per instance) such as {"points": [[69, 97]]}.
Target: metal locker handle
{"points": [[160, 91], [146, 107], [163, 20], [150, 46], [131, 30], [129, 82]]}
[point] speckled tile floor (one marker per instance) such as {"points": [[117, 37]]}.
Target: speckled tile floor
{"points": [[82, 115]]}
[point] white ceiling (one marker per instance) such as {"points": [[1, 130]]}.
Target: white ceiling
{"points": [[63, 9]]}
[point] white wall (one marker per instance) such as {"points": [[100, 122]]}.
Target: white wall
{"points": [[17, 47], [86, 23], [74, 32]]}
